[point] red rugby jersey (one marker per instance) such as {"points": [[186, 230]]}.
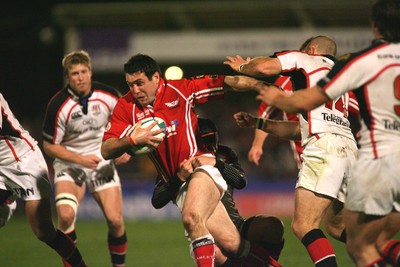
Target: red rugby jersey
{"points": [[174, 103]]}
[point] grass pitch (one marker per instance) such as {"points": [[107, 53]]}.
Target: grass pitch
{"points": [[151, 244]]}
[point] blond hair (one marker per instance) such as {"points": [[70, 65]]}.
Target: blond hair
{"points": [[74, 58]]}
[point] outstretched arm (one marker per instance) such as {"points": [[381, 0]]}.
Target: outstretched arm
{"points": [[242, 83], [257, 67], [282, 129], [298, 101]]}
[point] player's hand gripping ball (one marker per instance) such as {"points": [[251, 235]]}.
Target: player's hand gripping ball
{"points": [[141, 150]]}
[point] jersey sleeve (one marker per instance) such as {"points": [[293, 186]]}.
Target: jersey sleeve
{"points": [[120, 120], [206, 87], [54, 121]]}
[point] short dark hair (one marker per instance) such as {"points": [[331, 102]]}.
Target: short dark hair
{"points": [[386, 16], [142, 63]]}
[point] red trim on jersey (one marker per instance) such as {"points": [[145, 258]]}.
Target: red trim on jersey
{"points": [[12, 149], [350, 63]]}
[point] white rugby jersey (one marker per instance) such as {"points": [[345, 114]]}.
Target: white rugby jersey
{"points": [[305, 70], [374, 76], [78, 126], [15, 141]]}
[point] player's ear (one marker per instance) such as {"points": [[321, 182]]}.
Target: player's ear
{"points": [[156, 76]]}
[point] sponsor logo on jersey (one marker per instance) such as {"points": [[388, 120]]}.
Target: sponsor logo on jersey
{"points": [[335, 119], [171, 129], [76, 115], [172, 103], [391, 125]]}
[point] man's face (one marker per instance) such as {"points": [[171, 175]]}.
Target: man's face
{"points": [[143, 89], [80, 79]]}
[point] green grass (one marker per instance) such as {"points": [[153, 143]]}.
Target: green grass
{"points": [[151, 244]]}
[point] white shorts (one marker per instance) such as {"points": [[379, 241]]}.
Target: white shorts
{"points": [[374, 186], [103, 177], [27, 178], [213, 172], [326, 165]]}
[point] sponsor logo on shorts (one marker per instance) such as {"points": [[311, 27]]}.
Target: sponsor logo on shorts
{"points": [[24, 192], [103, 180]]}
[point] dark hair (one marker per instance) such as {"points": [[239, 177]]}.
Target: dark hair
{"points": [[386, 16], [142, 63]]}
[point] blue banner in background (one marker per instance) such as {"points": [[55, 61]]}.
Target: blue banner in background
{"points": [[275, 198]]}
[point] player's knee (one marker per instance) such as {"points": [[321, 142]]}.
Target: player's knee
{"points": [[67, 207], [300, 228], [115, 223], [191, 220]]}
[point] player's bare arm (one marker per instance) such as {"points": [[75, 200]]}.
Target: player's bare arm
{"points": [[115, 147], [282, 129], [241, 83], [300, 100], [60, 152], [258, 67]]}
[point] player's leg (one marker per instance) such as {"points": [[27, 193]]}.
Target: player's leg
{"points": [[387, 247], [267, 231], [202, 197], [309, 210], [110, 201], [362, 233], [239, 250], [68, 195], [39, 216], [333, 221]]}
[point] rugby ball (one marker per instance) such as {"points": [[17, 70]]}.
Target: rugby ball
{"points": [[140, 150]]}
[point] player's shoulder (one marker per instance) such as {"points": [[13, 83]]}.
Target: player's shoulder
{"points": [[59, 98]]}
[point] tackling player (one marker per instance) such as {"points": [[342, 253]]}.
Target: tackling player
{"points": [[24, 175], [373, 203], [266, 231]]}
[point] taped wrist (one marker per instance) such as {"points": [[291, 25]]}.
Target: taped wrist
{"points": [[232, 175], [261, 123]]}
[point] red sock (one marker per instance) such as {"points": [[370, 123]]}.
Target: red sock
{"points": [[117, 247], [204, 251], [391, 253], [319, 248]]}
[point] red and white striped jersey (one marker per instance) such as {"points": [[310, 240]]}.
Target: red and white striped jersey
{"points": [[305, 70], [79, 124], [374, 76], [15, 141], [174, 103], [270, 112]]}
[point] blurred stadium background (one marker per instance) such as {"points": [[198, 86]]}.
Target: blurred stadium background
{"points": [[194, 35]]}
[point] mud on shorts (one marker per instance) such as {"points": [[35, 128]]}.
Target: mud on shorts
{"points": [[103, 177], [327, 161]]}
